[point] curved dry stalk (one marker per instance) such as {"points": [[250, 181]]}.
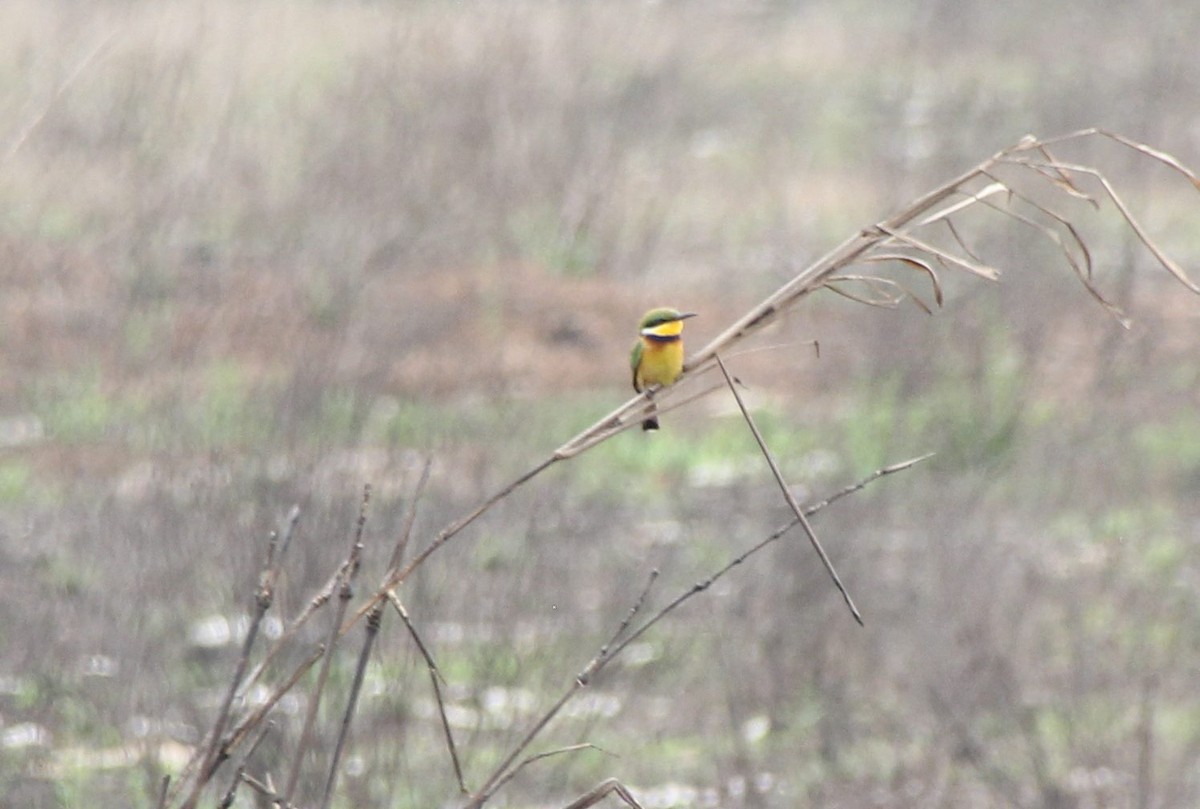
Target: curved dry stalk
{"points": [[888, 293]]}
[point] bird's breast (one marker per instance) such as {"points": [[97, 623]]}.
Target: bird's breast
{"points": [[662, 361]]}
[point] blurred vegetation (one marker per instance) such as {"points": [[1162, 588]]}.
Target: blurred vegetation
{"points": [[260, 253]]}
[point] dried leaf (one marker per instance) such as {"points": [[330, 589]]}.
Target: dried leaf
{"points": [[982, 270], [915, 263], [985, 192]]}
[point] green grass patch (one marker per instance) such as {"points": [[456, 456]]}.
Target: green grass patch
{"points": [[16, 482], [1171, 448], [78, 409], [231, 410]]}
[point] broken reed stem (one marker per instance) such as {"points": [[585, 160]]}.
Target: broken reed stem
{"points": [[435, 679], [345, 580], [787, 493]]}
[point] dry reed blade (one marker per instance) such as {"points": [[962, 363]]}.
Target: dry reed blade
{"points": [[971, 199], [435, 679], [1163, 259], [889, 293], [1063, 181], [915, 263], [1084, 272], [973, 267], [1166, 159]]}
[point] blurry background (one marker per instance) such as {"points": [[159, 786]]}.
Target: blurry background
{"points": [[261, 253]]}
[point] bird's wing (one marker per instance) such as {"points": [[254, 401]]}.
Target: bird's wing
{"points": [[635, 359]]}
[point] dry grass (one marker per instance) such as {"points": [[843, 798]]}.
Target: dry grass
{"points": [[941, 206]]}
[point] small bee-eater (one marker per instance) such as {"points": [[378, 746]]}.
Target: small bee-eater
{"points": [[657, 357]]}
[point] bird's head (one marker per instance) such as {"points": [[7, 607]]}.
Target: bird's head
{"points": [[663, 322]]}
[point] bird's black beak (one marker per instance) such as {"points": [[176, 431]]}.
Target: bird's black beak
{"points": [[686, 315]]}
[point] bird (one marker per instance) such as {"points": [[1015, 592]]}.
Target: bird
{"points": [[657, 358]]}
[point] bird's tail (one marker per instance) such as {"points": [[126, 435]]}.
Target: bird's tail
{"points": [[651, 420]]}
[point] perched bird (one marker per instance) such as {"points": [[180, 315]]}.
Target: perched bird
{"points": [[657, 358]]}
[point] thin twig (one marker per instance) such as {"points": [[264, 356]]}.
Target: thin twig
{"points": [[360, 671], [573, 748], [607, 653], [238, 777], [787, 494], [774, 536], [349, 571], [449, 532], [322, 597], [620, 640], [264, 595], [410, 517], [253, 719]]}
